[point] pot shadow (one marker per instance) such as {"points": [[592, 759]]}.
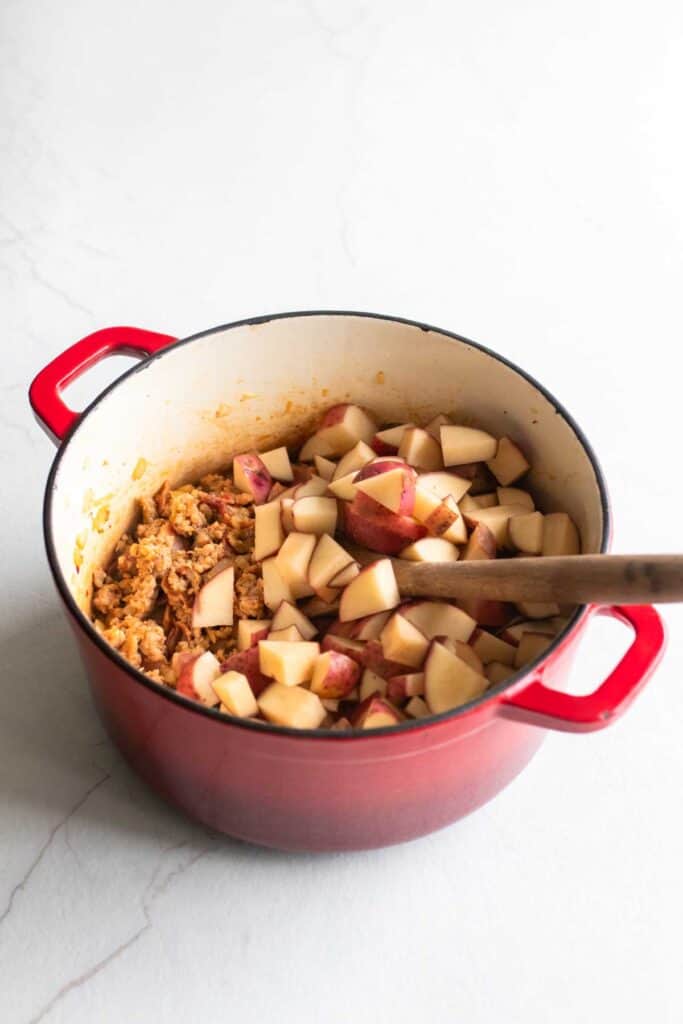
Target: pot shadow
{"points": [[58, 765], [57, 762]]}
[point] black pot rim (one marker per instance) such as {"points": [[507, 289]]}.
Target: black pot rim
{"points": [[260, 727]]}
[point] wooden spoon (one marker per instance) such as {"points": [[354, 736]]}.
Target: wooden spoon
{"points": [[569, 579]]}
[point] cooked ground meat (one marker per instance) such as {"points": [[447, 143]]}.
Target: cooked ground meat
{"points": [[143, 600]]}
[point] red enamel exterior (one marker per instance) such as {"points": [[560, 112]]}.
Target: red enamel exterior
{"points": [[340, 791]]}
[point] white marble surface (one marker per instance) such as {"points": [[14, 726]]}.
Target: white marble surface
{"points": [[508, 170]]}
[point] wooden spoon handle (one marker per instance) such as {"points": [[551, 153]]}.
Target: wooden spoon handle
{"points": [[573, 579]]}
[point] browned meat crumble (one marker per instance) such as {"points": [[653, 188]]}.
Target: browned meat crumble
{"points": [[143, 601]]}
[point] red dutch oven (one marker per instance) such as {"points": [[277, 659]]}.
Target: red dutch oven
{"points": [[186, 409]]}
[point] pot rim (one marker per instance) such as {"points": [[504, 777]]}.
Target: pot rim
{"points": [[319, 734]]}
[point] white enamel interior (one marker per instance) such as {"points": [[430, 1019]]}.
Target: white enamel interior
{"points": [[253, 386]]}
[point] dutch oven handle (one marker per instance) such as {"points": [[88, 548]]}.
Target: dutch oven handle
{"points": [[52, 413], [537, 704]]}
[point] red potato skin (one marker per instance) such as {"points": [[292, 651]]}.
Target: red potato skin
{"points": [[182, 663], [373, 704], [257, 476], [334, 642], [323, 623], [247, 662], [376, 468], [363, 624], [352, 629], [314, 608], [335, 414], [382, 448], [341, 678], [409, 481], [397, 690], [255, 637], [481, 545], [366, 522], [301, 473], [344, 629], [372, 656], [441, 520], [489, 613]]}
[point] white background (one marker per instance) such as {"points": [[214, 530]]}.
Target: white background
{"points": [[511, 171]]}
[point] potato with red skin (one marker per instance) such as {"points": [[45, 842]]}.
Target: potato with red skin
{"points": [[343, 645], [488, 612], [407, 498], [419, 448], [317, 608], [375, 713], [248, 663], [464, 652], [372, 657], [347, 413], [213, 605], [367, 523], [334, 675], [380, 447], [371, 626], [368, 628], [402, 688], [371, 683], [446, 522], [341, 427], [327, 561], [388, 441], [290, 615], [345, 576], [250, 631], [344, 629], [195, 674], [252, 477], [481, 545]]}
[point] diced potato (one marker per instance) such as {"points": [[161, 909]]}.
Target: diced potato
{"points": [[291, 706], [235, 693], [288, 663], [560, 536], [531, 646], [508, 464]]}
